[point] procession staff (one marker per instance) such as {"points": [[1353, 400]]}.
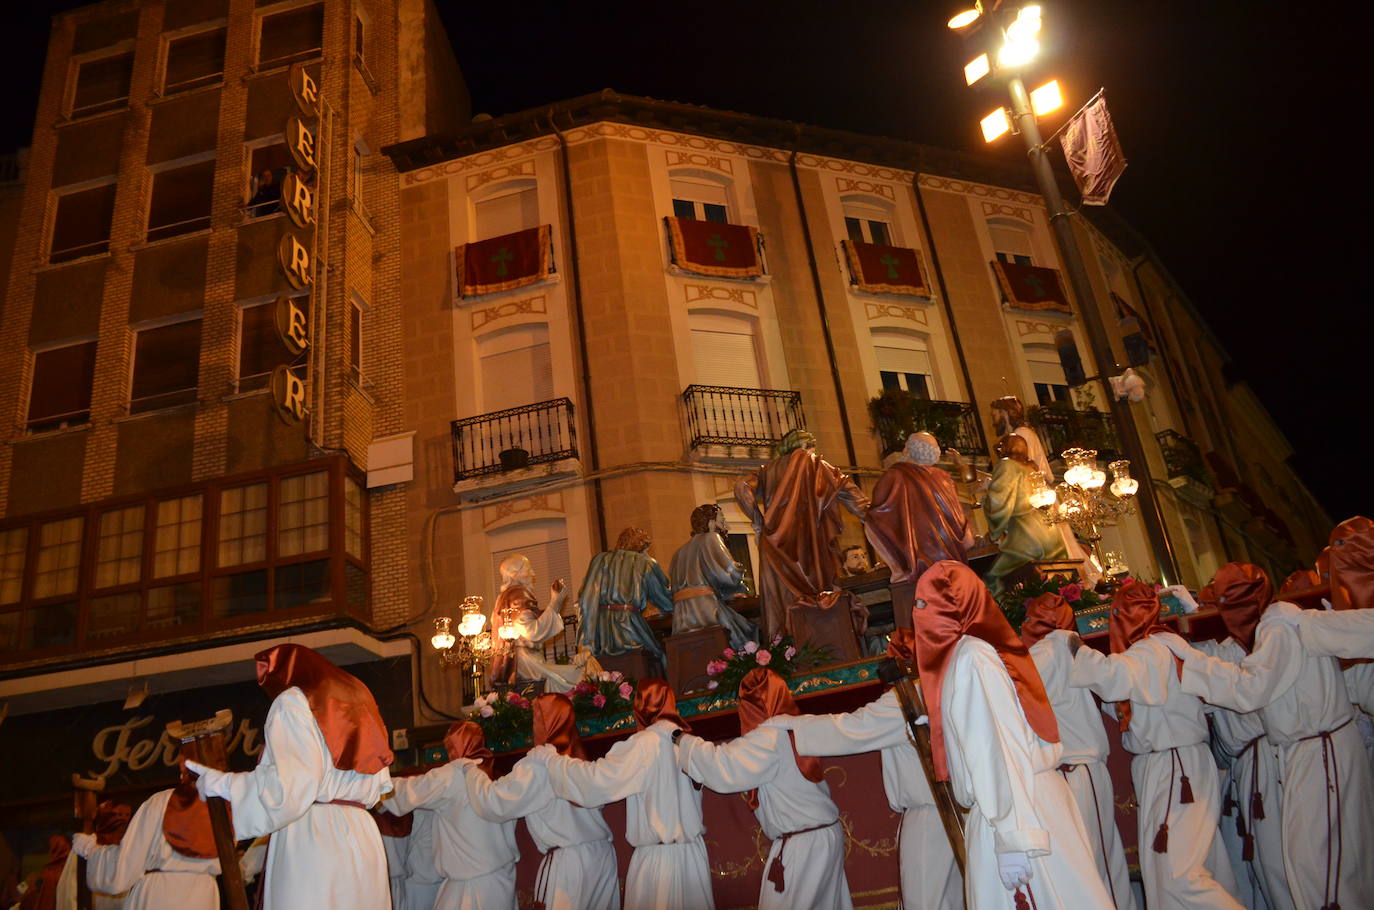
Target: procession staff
{"points": [[1048, 631], [929, 875], [477, 857], [786, 791], [1298, 690], [994, 737], [669, 868], [578, 871], [1183, 860], [323, 765]]}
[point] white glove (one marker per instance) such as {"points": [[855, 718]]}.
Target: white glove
{"points": [[83, 845], [210, 782], [1015, 870], [923, 720], [1180, 593]]}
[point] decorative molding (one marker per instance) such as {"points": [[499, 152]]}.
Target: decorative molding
{"points": [[505, 172], [695, 293], [982, 190], [1026, 327], [848, 185], [997, 208], [497, 513], [482, 161], [894, 311], [484, 316], [676, 158]]}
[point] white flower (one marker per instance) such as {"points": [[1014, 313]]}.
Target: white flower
{"points": [[750, 647], [486, 711], [713, 684]]}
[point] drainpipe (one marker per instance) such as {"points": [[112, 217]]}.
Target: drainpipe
{"points": [[576, 287], [948, 306], [820, 302]]}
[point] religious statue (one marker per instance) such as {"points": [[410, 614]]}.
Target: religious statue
{"points": [[915, 520], [1015, 525], [794, 502], [854, 561], [519, 629], [620, 585], [706, 578]]}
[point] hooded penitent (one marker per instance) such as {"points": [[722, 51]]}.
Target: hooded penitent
{"points": [[1135, 615], [654, 701], [951, 602], [465, 739], [186, 820], [556, 724], [1045, 614], [764, 694], [1352, 564], [1241, 591]]}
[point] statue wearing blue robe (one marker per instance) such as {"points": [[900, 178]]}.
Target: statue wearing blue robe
{"points": [[618, 587]]}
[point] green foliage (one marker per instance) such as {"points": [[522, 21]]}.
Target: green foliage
{"points": [[783, 656], [897, 413], [1013, 600], [605, 695], [503, 717]]}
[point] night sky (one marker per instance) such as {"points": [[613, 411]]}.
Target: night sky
{"points": [[1232, 115]]}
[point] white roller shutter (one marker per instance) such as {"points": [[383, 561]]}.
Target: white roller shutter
{"points": [[725, 359], [550, 560], [506, 214]]}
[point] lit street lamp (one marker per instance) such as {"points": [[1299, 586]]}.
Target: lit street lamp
{"points": [[473, 648], [1018, 29]]}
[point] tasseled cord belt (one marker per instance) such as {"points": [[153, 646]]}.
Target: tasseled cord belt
{"points": [[1185, 796], [1331, 894], [776, 872]]}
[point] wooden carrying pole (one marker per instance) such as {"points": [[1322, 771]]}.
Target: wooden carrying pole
{"points": [[84, 791], [207, 739], [913, 705]]}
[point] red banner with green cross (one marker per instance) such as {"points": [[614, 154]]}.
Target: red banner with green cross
{"points": [[1031, 287], [711, 248], [504, 263], [880, 269]]}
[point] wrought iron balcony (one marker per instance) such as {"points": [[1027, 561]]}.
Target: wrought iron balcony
{"points": [[727, 416], [1063, 428], [954, 423], [514, 438], [1182, 457]]}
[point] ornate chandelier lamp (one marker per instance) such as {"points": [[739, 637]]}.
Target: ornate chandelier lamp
{"points": [[472, 647], [1081, 500]]}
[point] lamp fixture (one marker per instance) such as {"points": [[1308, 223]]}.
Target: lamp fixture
{"points": [[1047, 98], [995, 125], [1080, 500], [976, 69]]}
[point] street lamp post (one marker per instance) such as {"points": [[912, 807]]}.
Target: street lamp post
{"points": [[1023, 47]]}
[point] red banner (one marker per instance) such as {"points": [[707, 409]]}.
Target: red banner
{"points": [[710, 248], [504, 263], [1031, 287], [1093, 152], [881, 269]]}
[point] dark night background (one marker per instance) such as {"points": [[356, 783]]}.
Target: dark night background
{"points": [[1239, 119]]}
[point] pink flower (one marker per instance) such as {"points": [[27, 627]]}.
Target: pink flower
{"points": [[617, 676], [599, 700], [777, 640], [790, 653], [486, 711], [582, 688], [715, 667], [713, 684], [750, 647], [626, 690], [1071, 592], [728, 653], [512, 696], [763, 657]]}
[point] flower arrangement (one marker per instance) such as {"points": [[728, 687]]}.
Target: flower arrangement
{"points": [[602, 694], [1013, 600], [503, 716], [782, 655]]}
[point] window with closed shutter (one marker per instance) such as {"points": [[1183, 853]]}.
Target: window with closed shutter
{"points": [[517, 369], [1047, 376], [550, 560], [903, 362], [506, 214], [1012, 244], [725, 351], [700, 200], [61, 391]]}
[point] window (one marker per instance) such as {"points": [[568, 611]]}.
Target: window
{"points": [[724, 351], [260, 347], [170, 606], [903, 363], [506, 213], [61, 391], [699, 200], [517, 367], [303, 514], [59, 557], [355, 341], [14, 546], [166, 366], [1047, 376], [194, 60], [181, 200], [359, 34], [548, 557], [1011, 243], [119, 552], [102, 84], [82, 224], [243, 525], [291, 36], [268, 166], [176, 543], [866, 221], [353, 519]]}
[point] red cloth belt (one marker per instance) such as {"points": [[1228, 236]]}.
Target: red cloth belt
{"points": [[341, 802], [620, 608], [777, 873], [689, 593]]}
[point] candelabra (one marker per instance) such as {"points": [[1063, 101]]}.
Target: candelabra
{"points": [[1081, 500], [470, 651]]}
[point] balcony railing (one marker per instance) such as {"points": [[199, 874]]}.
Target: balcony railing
{"points": [[954, 423], [1182, 457], [727, 416], [1062, 429], [514, 438]]}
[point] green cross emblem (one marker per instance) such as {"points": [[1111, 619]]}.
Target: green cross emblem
{"points": [[718, 243], [501, 257], [891, 262]]}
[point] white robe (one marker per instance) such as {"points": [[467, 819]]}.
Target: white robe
{"points": [[180, 882], [930, 876], [476, 857], [1085, 751], [578, 871], [1328, 790], [1254, 768], [669, 869], [397, 848], [813, 862], [1168, 737], [1005, 774], [423, 877], [532, 633], [66, 891], [319, 855]]}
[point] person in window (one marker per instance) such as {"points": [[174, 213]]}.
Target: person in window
{"points": [[266, 197]]}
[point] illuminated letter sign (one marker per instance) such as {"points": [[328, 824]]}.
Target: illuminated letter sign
{"points": [[304, 91], [294, 259], [298, 200], [301, 143], [292, 325], [288, 394]]}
